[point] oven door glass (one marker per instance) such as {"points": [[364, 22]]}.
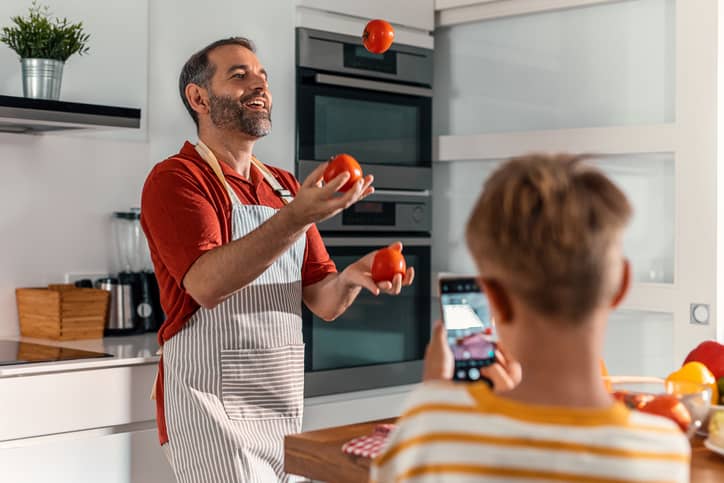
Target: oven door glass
{"points": [[374, 330], [374, 127]]}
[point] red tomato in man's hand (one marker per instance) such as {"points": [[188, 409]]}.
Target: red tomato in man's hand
{"points": [[340, 164], [387, 263], [378, 36]]}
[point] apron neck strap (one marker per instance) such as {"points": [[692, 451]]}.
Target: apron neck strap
{"points": [[269, 177], [208, 156]]}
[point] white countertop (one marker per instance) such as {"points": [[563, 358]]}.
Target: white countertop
{"points": [[127, 351]]}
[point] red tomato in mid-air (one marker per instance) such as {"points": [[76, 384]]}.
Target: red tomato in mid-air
{"points": [[378, 36]]}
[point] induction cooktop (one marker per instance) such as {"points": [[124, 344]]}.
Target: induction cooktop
{"points": [[16, 352]]}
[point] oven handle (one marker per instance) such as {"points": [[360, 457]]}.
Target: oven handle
{"points": [[376, 241], [337, 80], [415, 193]]}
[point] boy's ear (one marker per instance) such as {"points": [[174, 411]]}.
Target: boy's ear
{"points": [[623, 285], [499, 300]]}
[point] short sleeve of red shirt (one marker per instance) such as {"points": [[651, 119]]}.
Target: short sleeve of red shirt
{"points": [[180, 218]]}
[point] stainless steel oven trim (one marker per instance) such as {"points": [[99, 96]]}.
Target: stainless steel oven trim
{"points": [[411, 193], [371, 85], [374, 241], [361, 378], [387, 177], [414, 64], [386, 192]]}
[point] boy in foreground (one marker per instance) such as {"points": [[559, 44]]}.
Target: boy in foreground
{"points": [[546, 236]]}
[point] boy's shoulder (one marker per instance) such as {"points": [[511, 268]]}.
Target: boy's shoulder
{"points": [[438, 395]]}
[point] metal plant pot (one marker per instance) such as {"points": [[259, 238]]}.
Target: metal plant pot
{"points": [[42, 78]]}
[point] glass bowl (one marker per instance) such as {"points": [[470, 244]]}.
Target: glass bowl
{"points": [[685, 403], [715, 426]]}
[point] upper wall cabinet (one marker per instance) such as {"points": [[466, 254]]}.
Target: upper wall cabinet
{"points": [[611, 64], [417, 14]]}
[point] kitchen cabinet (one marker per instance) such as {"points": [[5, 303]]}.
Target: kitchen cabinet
{"points": [[93, 418], [413, 20], [416, 14], [22, 115], [634, 82]]}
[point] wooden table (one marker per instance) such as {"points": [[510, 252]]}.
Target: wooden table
{"points": [[318, 455]]}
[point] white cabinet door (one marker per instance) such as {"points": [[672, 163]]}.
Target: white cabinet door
{"points": [[418, 14], [134, 457], [64, 402], [634, 82]]}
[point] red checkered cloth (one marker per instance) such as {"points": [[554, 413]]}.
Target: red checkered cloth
{"points": [[371, 445]]}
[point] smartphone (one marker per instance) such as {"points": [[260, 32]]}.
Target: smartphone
{"points": [[470, 326]]}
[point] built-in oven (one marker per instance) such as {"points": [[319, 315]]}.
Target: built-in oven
{"points": [[375, 107], [380, 340]]}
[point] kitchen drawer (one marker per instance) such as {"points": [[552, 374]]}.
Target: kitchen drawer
{"points": [[47, 404]]}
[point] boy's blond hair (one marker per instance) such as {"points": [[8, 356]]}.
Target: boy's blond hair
{"points": [[545, 227]]}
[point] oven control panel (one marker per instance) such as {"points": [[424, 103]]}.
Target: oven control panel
{"points": [[378, 215]]}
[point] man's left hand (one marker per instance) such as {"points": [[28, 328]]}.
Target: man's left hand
{"points": [[360, 274]]}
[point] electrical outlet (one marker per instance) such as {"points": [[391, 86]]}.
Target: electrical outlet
{"points": [[73, 277]]}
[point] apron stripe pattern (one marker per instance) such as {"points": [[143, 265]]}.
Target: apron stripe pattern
{"points": [[234, 375]]}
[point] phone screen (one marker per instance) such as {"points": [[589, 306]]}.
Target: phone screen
{"points": [[470, 327]]}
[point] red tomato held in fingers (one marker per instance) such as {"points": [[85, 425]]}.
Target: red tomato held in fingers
{"points": [[340, 164], [378, 36], [387, 263]]}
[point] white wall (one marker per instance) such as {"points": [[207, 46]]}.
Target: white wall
{"points": [[57, 191], [182, 27]]}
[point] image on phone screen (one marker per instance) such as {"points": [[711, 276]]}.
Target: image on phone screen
{"points": [[470, 327]]}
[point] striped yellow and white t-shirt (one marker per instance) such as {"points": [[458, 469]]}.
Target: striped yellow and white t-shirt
{"points": [[463, 433]]}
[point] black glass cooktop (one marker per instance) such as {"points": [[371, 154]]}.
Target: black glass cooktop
{"points": [[16, 352]]}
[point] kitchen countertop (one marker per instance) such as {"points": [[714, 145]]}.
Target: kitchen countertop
{"points": [[318, 455], [126, 350]]}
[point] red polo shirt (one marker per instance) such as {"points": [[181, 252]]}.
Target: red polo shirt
{"points": [[185, 211]]}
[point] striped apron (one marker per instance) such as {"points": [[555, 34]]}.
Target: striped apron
{"points": [[234, 375]]}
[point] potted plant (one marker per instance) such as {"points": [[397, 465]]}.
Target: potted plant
{"points": [[43, 44]]}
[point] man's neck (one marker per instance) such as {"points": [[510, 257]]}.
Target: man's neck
{"points": [[561, 365], [230, 148]]}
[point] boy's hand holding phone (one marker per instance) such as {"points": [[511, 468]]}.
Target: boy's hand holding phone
{"points": [[505, 373]]}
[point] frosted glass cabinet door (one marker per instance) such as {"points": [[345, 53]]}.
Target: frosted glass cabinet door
{"points": [[648, 182], [639, 343], [646, 179], [601, 65]]}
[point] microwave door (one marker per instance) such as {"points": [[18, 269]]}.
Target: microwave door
{"points": [[376, 127]]}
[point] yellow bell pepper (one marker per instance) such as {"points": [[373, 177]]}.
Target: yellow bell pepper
{"points": [[697, 372]]}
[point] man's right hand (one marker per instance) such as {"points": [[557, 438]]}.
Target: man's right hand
{"points": [[315, 203]]}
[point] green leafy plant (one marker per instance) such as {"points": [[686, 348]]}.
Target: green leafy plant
{"points": [[38, 36]]}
